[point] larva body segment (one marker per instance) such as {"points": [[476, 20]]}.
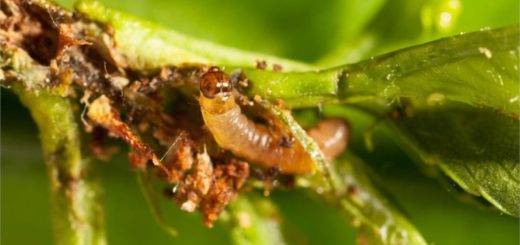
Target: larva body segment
{"points": [[331, 135], [254, 142]]}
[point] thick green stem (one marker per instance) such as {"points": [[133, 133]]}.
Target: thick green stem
{"points": [[77, 212], [148, 46], [479, 69]]}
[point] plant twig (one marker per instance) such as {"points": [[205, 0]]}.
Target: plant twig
{"points": [[168, 47], [75, 193], [463, 68]]}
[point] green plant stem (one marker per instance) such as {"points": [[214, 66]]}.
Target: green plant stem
{"points": [[149, 47], [77, 212], [475, 68], [75, 192]]}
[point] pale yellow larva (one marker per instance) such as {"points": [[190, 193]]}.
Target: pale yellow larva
{"points": [[255, 142]]}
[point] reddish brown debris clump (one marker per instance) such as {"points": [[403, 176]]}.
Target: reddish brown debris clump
{"points": [[229, 178], [102, 113], [200, 183], [277, 67], [261, 64], [210, 188]]}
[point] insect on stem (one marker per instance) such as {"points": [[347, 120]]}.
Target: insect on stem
{"points": [[256, 142]]}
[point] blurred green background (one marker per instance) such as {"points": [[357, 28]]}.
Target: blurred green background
{"points": [[323, 32]]}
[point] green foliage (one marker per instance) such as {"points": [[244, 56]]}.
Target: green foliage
{"points": [[481, 154], [453, 103]]}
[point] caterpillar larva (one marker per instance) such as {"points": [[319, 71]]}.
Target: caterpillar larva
{"points": [[255, 142]]}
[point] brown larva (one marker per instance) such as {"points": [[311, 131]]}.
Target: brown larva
{"points": [[255, 142]]}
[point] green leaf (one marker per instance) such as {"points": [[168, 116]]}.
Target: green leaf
{"points": [[477, 148], [478, 68]]}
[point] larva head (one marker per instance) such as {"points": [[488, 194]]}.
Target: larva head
{"points": [[215, 82]]}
